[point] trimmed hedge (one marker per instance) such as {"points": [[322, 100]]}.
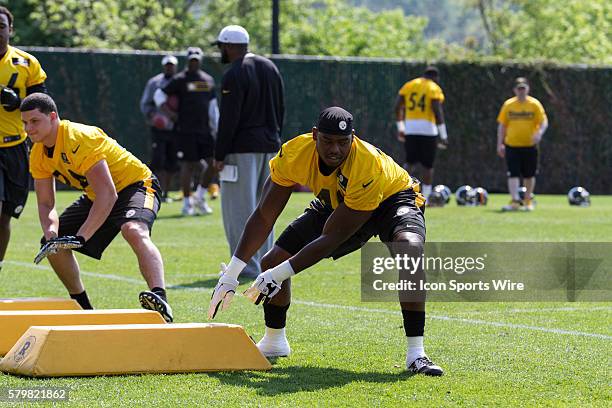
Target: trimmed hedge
{"points": [[104, 88]]}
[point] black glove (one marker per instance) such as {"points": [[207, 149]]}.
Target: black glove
{"points": [[55, 244], [9, 99]]}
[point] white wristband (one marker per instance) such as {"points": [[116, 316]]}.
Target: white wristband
{"points": [[400, 126], [281, 272], [235, 267], [442, 131]]}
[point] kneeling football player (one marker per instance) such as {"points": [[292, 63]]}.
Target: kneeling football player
{"points": [[360, 192], [121, 195]]}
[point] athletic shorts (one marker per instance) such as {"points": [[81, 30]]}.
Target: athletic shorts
{"points": [[522, 161], [398, 213], [421, 149], [193, 147], [14, 179], [137, 202], [163, 151]]}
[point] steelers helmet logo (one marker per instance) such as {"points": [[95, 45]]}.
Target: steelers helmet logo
{"points": [[342, 125], [402, 210], [18, 209], [130, 213]]}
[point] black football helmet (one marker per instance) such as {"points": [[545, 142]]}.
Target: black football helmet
{"points": [[436, 199], [481, 196], [579, 196], [465, 195], [446, 192]]}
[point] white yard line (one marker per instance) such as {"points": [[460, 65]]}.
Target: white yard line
{"points": [[535, 310], [356, 308]]}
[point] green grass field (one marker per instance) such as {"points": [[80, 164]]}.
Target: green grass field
{"points": [[348, 353]]}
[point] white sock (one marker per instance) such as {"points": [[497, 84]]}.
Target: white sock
{"points": [[426, 190], [200, 191], [274, 334], [186, 202], [415, 349], [513, 187]]}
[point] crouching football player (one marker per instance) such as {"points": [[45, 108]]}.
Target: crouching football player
{"points": [[121, 195], [361, 192]]}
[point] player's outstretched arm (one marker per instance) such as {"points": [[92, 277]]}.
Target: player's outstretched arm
{"points": [[45, 197], [256, 231], [49, 221], [340, 226], [101, 182], [262, 220]]}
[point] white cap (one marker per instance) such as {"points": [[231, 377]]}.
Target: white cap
{"points": [[194, 53], [169, 59], [232, 34]]}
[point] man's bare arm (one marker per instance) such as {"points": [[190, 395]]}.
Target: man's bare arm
{"points": [[262, 220], [45, 197], [340, 226], [100, 180]]}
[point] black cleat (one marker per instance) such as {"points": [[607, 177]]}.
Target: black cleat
{"points": [[423, 365], [152, 301]]}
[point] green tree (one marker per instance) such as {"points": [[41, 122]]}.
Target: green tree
{"points": [[330, 27], [136, 24], [572, 31]]}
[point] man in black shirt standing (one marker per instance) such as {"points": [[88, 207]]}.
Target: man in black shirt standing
{"points": [[250, 122], [196, 120]]}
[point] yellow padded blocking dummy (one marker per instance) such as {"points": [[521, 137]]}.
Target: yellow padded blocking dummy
{"points": [[14, 323], [39, 304], [54, 351]]}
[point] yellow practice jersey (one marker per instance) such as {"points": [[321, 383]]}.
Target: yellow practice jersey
{"points": [[365, 179], [77, 148], [19, 71], [419, 115], [522, 120]]}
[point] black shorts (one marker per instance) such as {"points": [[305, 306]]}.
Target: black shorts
{"points": [[192, 147], [522, 161], [163, 144], [14, 179], [137, 202], [421, 149], [398, 213]]}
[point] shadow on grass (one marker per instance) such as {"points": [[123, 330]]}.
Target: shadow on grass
{"points": [[286, 380], [171, 216], [206, 283]]}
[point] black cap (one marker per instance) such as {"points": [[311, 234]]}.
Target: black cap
{"points": [[521, 82], [335, 121]]}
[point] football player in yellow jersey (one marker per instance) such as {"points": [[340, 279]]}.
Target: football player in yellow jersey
{"points": [[420, 123], [121, 195], [20, 75], [360, 192], [521, 123]]}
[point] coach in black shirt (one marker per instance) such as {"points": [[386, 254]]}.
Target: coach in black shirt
{"points": [[250, 122], [196, 123]]}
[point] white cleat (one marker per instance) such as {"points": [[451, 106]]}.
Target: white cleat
{"points": [[187, 211], [203, 207], [277, 347]]}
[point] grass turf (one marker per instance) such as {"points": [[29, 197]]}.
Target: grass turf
{"points": [[348, 353]]}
